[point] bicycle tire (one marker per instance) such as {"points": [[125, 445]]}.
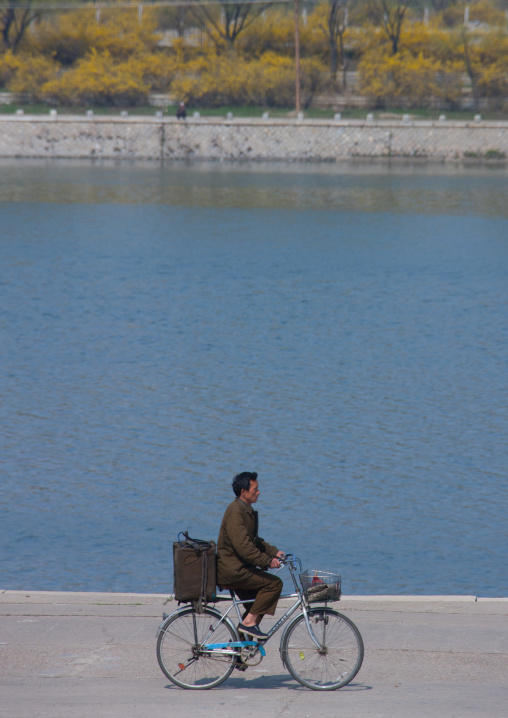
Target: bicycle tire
{"points": [[178, 653], [339, 659]]}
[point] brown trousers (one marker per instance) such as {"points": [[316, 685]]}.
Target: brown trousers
{"points": [[264, 587]]}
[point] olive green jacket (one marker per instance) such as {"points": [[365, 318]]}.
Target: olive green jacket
{"points": [[239, 547]]}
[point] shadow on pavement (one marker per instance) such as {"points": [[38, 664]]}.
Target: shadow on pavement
{"points": [[264, 682]]}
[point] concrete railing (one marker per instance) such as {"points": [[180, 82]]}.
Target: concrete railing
{"points": [[159, 137]]}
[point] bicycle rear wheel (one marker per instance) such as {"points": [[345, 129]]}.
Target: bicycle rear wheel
{"points": [[180, 656], [339, 657]]}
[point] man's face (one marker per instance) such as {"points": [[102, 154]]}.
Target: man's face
{"points": [[251, 496]]}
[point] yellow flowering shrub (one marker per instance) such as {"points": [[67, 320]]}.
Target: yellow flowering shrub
{"points": [[99, 80], [407, 80], [9, 63], [483, 57], [31, 74], [275, 32], [483, 12], [270, 81], [275, 86], [489, 57], [111, 55], [488, 13], [158, 70], [493, 82], [212, 79], [72, 35], [426, 69]]}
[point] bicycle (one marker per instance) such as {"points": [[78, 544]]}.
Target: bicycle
{"points": [[320, 647]]}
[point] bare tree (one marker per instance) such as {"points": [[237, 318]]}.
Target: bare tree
{"points": [[441, 5], [178, 18], [225, 25], [334, 30], [471, 65], [389, 16], [15, 18]]}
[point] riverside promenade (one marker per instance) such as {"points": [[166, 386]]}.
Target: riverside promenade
{"points": [[80, 655]]}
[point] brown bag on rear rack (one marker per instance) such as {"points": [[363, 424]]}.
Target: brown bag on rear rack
{"points": [[194, 567]]}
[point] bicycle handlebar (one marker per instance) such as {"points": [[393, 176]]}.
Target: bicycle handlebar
{"points": [[289, 559]]}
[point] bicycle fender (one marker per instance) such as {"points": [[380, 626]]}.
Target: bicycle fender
{"points": [[166, 618], [183, 609], [310, 611]]}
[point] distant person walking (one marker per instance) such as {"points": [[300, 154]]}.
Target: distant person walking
{"points": [[181, 112]]}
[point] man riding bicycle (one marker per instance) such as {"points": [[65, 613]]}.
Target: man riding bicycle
{"points": [[242, 557]]}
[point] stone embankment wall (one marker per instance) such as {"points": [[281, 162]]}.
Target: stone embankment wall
{"points": [[242, 139]]}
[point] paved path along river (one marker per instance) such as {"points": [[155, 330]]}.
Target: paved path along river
{"points": [[74, 655]]}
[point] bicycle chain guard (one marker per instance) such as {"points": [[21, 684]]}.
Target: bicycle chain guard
{"points": [[253, 650], [251, 655]]}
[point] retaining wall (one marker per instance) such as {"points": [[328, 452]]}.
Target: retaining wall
{"points": [[240, 139]]}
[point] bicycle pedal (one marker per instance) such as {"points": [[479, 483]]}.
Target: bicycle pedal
{"points": [[241, 667]]}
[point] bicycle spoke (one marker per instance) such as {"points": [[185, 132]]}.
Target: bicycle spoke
{"points": [[180, 649], [339, 657]]}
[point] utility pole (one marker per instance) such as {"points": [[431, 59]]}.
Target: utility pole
{"points": [[297, 58]]}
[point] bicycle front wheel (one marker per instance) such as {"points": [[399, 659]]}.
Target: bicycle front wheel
{"points": [[181, 654], [338, 659]]}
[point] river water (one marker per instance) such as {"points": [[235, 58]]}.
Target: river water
{"points": [[341, 329]]}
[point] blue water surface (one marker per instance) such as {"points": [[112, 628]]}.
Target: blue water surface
{"points": [[342, 330]]}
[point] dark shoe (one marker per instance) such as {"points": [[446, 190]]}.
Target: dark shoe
{"points": [[253, 632], [240, 665]]}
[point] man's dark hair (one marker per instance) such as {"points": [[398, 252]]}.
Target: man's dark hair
{"points": [[242, 481]]}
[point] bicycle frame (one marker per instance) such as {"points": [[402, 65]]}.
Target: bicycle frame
{"points": [[299, 603], [237, 646]]}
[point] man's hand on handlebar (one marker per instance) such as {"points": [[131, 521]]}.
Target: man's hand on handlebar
{"points": [[275, 563]]}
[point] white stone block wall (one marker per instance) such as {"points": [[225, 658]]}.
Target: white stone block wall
{"points": [[72, 137], [240, 139]]}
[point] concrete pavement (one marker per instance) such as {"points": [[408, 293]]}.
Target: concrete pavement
{"points": [[74, 655]]}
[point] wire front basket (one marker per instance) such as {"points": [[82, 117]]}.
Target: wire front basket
{"points": [[320, 586]]}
